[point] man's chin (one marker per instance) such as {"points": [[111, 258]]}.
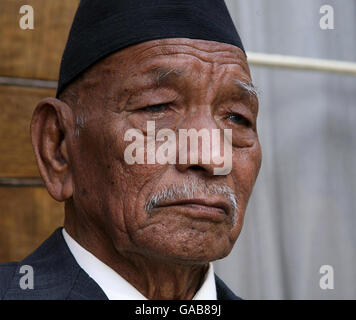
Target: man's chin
{"points": [[181, 253], [181, 238]]}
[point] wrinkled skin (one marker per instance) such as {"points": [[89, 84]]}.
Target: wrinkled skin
{"points": [[79, 148]]}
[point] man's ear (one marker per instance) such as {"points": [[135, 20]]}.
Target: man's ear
{"points": [[50, 127]]}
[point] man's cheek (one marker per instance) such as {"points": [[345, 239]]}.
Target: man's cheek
{"points": [[246, 165]]}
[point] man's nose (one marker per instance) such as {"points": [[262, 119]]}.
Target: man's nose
{"points": [[200, 145]]}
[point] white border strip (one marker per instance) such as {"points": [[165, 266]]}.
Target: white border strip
{"points": [[300, 63], [22, 82]]}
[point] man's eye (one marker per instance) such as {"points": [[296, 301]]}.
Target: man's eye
{"points": [[239, 119], [155, 108]]}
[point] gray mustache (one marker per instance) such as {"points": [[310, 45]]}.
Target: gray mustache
{"points": [[188, 190]]}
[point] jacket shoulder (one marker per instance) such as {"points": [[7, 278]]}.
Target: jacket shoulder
{"points": [[53, 272], [7, 272], [55, 275]]}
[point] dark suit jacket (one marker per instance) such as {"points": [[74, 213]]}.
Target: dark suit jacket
{"points": [[57, 275]]}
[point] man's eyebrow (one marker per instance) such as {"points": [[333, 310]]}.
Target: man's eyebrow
{"points": [[248, 87], [163, 74]]}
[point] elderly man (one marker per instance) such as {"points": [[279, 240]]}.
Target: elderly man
{"points": [[143, 229]]}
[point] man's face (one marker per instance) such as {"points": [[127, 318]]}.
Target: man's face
{"points": [[178, 84]]}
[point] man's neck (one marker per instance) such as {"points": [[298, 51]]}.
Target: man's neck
{"points": [[154, 278]]}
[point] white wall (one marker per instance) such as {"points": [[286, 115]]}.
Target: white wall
{"points": [[303, 210]]}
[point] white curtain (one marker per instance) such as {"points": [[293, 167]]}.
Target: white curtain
{"points": [[302, 213]]}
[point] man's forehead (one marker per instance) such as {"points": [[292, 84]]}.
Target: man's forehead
{"points": [[173, 45], [168, 60], [146, 54]]}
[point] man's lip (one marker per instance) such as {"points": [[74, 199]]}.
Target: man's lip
{"points": [[200, 208]]}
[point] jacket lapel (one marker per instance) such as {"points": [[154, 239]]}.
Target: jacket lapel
{"points": [[223, 292]]}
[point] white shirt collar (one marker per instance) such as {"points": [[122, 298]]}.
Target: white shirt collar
{"points": [[116, 287]]}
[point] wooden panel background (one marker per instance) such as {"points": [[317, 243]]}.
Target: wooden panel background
{"points": [[16, 155], [34, 53], [28, 215]]}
